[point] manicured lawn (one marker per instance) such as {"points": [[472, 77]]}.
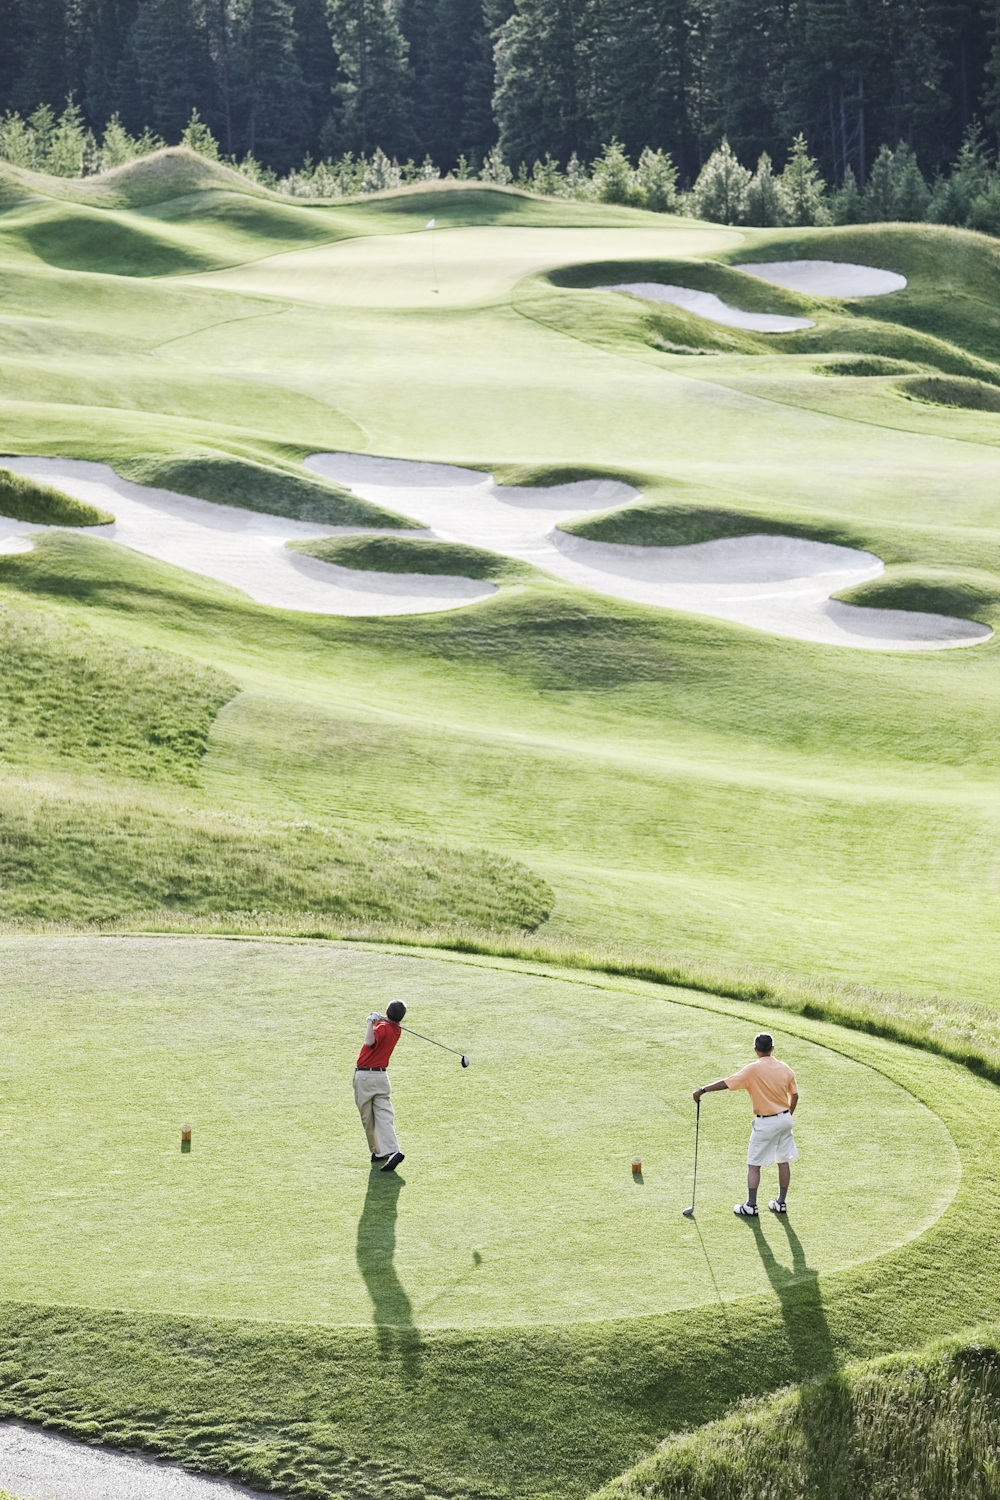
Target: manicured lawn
{"points": [[507, 1198], [516, 1204]]}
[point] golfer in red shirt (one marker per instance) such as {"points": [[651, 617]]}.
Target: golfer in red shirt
{"points": [[372, 1091], [774, 1095]]}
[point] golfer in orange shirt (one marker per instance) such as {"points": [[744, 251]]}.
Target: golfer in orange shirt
{"points": [[774, 1095]]}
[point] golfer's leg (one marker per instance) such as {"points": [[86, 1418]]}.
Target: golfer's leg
{"points": [[753, 1183], [784, 1178], [385, 1121], [363, 1099]]}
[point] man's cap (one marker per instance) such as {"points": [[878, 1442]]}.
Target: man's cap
{"points": [[395, 1011], [762, 1042]]}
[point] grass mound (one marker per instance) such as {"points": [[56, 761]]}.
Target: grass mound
{"points": [[972, 395], [93, 857], [866, 364], [681, 523], [74, 696], [172, 172], [966, 593], [926, 1424], [26, 499], [386, 554], [242, 482], [77, 238]]}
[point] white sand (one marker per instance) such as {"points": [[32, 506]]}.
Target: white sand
{"points": [[238, 547], [778, 584], [707, 305], [773, 583], [39, 1465], [826, 278]]}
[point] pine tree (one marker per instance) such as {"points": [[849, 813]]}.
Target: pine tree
{"points": [[267, 83], [537, 103], [765, 201], [613, 176], [847, 205], [656, 177], [636, 74], [802, 188], [169, 47], [912, 192], [108, 23], [51, 63], [372, 92], [720, 194]]}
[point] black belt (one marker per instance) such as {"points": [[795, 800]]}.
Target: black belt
{"points": [[360, 1069], [777, 1112]]}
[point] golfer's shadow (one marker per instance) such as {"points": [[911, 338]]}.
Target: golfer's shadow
{"points": [[797, 1289], [392, 1311]]}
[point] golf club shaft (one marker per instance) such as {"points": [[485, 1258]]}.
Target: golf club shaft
{"points": [[431, 1040], [697, 1127]]}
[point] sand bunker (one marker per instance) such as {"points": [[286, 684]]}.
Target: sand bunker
{"points": [[239, 547], [826, 278], [46, 1467], [773, 583], [707, 305]]}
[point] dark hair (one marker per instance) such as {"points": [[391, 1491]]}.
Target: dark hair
{"points": [[395, 1011], [762, 1042]]}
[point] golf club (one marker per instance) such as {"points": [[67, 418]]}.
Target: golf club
{"points": [[689, 1212], [464, 1056]]}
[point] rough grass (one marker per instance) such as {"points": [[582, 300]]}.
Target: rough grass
{"points": [[76, 698], [412, 555], [26, 499], [866, 364], [973, 395], [964, 593], [674, 524], [925, 1424], [241, 482], [102, 854]]}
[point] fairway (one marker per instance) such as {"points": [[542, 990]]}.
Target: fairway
{"points": [[516, 1203]]}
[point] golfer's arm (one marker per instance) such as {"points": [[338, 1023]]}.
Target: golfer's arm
{"points": [[711, 1088], [792, 1103], [370, 1034]]}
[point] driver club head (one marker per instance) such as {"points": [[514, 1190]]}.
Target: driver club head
{"points": [[465, 1060], [688, 1213]]}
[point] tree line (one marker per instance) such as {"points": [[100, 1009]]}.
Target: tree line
{"points": [[465, 83]]}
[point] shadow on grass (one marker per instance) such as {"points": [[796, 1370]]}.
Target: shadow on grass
{"points": [[392, 1311], [797, 1289]]}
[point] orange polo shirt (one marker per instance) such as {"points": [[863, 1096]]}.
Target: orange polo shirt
{"points": [[769, 1083]]}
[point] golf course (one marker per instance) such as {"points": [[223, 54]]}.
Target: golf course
{"points": [[579, 623]]}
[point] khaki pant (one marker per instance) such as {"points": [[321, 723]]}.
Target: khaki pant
{"points": [[372, 1096]]}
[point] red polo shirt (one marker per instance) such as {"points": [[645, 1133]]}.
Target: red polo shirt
{"points": [[387, 1034]]}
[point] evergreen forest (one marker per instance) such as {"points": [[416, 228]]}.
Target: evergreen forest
{"points": [[806, 111]]}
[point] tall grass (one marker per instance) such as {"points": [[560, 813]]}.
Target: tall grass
{"points": [[226, 480], [67, 855], [26, 499], [923, 1426], [74, 696]]}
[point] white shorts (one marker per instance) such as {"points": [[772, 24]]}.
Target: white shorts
{"points": [[771, 1139]]}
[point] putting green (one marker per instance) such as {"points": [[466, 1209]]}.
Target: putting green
{"points": [[454, 266], [516, 1203]]}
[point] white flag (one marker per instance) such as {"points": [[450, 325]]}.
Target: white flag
{"points": [[430, 223]]}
